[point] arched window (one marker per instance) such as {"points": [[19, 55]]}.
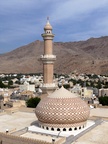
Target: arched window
{"points": [[43, 127], [64, 129], [58, 129], [47, 128], [79, 127], [52, 129], [75, 128], [70, 129], [83, 126]]}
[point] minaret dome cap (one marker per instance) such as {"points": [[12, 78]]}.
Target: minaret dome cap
{"points": [[48, 26]]}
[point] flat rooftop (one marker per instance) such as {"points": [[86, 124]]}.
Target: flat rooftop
{"points": [[99, 112], [17, 120], [98, 135]]}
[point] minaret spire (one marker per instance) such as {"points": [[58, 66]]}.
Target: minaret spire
{"points": [[47, 18], [48, 59]]}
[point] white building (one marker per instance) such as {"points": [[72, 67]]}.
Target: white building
{"points": [[27, 87]]}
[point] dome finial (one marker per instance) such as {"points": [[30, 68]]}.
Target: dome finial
{"points": [[48, 19], [48, 26]]}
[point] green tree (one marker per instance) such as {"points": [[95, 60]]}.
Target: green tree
{"points": [[33, 102], [17, 82], [2, 85], [99, 86], [106, 85], [66, 86], [10, 83], [103, 100], [80, 82]]}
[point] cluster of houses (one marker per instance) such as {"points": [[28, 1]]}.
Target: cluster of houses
{"points": [[27, 86]]}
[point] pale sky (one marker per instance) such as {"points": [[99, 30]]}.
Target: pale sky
{"points": [[22, 21]]}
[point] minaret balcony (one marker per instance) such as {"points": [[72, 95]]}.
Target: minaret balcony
{"points": [[48, 57]]}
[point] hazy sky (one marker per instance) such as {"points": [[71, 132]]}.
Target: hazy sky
{"points": [[22, 21]]}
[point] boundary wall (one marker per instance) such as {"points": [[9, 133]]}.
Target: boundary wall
{"points": [[11, 139]]}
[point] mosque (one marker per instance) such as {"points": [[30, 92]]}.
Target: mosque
{"points": [[60, 110], [62, 115]]}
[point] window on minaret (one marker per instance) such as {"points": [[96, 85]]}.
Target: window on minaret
{"points": [[48, 31]]}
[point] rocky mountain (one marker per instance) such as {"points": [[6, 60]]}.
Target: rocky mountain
{"points": [[90, 56]]}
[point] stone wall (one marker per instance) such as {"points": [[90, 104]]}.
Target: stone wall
{"points": [[61, 141], [100, 106], [11, 139], [26, 109]]}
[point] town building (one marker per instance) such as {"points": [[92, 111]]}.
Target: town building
{"points": [[27, 87], [86, 93], [103, 92]]}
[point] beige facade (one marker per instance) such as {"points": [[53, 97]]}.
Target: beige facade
{"points": [[103, 92], [48, 73], [12, 139], [48, 47], [16, 103], [86, 93], [48, 60]]}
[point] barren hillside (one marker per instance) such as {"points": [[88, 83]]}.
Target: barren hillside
{"points": [[89, 56]]}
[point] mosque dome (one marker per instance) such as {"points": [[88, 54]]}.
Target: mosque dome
{"points": [[62, 111]]}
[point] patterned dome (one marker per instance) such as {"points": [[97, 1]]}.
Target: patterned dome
{"points": [[62, 109]]}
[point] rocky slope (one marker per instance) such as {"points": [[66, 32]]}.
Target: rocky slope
{"points": [[89, 56]]}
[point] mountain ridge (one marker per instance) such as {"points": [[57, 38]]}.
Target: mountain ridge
{"points": [[90, 56]]}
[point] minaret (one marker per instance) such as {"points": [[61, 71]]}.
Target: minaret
{"points": [[48, 59]]}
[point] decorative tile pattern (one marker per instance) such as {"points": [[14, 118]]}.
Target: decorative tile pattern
{"points": [[62, 112]]}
